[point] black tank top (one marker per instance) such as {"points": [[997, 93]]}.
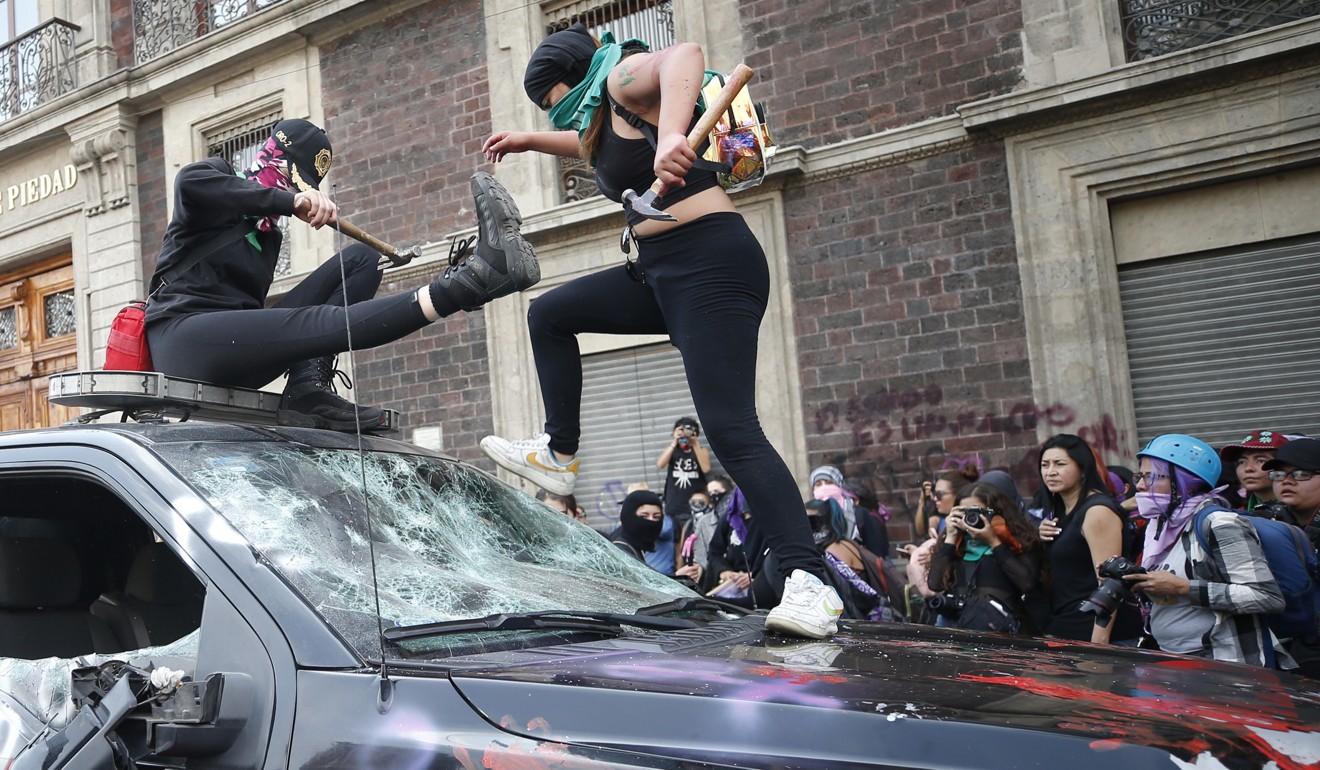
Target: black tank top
{"points": [[623, 164]]}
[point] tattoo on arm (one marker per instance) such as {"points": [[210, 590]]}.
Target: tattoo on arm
{"points": [[625, 74]]}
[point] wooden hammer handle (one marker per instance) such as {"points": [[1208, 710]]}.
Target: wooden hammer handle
{"points": [[357, 234], [714, 110]]}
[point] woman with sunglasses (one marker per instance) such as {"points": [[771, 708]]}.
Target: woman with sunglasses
{"points": [[703, 281], [937, 497], [1205, 596]]}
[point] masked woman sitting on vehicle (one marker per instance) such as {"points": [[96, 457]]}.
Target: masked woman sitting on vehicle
{"points": [[989, 558]]}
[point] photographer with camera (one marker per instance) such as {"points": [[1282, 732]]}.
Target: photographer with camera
{"points": [[686, 463], [990, 557], [1205, 597]]}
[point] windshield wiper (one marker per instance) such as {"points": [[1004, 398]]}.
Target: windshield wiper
{"points": [[544, 619], [691, 603]]}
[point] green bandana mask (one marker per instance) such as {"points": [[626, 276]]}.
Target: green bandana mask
{"points": [[974, 549], [579, 104]]}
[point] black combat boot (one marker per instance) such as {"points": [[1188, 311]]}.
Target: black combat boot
{"points": [[310, 401], [503, 261]]}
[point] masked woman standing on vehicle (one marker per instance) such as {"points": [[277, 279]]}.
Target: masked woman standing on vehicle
{"points": [[703, 280]]}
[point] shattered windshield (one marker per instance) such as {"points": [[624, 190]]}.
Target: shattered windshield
{"points": [[449, 542]]}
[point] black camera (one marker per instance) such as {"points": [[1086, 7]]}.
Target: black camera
{"points": [[1113, 590], [1274, 509], [977, 517], [948, 605]]}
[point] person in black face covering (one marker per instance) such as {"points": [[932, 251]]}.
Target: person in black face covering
{"points": [[640, 521]]}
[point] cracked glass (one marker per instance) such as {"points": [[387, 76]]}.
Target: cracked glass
{"points": [[449, 541], [37, 693]]}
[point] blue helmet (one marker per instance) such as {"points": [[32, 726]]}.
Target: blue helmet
{"points": [[1187, 452]]}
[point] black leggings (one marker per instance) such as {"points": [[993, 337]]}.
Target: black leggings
{"points": [[249, 348], [707, 284]]}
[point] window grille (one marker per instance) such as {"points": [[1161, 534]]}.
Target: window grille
{"points": [[1157, 27], [651, 21], [59, 314], [239, 145]]}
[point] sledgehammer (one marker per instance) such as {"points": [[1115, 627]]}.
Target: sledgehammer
{"points": [[392, 256], [644, 204]]}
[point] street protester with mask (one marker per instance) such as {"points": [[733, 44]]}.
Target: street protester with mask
{"points": [[1205, 598], [640, 521], [208, 321], [703, 280], [694, 539]]}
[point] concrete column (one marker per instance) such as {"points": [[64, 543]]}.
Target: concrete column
{"points": [[103, 149]]}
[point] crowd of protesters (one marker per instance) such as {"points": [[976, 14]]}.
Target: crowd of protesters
{"points": [[1164, 557]]}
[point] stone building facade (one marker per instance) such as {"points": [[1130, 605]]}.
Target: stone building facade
{"points": [[988, 222]]}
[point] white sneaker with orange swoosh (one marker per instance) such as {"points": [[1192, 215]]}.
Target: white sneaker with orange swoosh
{"points": [[532, 459], [808, 608]]}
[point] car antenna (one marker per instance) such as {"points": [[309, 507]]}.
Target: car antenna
{"points": [[385, 691]]}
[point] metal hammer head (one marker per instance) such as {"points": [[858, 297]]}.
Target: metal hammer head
{"points": [[400, 257], [644, 204]]}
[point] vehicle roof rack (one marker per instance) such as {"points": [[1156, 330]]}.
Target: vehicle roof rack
{"points": [[153, 397]]}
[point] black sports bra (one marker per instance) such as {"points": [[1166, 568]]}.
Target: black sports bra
{"points": [[623, 164]]}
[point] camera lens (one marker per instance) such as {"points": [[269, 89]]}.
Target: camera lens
{"points": [[1105, 599]]}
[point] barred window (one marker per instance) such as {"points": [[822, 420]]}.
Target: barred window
{"points": [[238, 145], [651, 21]]}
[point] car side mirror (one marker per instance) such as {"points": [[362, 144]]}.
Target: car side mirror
{"points": [[201, 718]]}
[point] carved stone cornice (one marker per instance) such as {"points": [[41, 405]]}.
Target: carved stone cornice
{"points": [[103, 149]]}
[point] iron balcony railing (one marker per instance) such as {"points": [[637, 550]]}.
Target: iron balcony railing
{"points": [[1158, 27], [160, 26], [37, 67]]}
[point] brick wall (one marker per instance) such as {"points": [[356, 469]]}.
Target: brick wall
{"points": [[911, 339], [153, 200], [407, 106], [831, 71], [121, 31]]}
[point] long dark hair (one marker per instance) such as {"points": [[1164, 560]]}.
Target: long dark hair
{"points": [[1095, 477], [1011, 525], [589, 142]]}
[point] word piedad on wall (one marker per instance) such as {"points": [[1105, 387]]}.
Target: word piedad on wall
{"points": [[39, 188]]}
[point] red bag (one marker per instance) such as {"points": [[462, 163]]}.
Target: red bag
{"points": [[126, 349]]}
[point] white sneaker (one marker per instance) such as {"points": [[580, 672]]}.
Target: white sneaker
{"points": [[809, 608], [532, 459]]}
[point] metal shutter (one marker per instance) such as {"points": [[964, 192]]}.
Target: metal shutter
{"points": [[1223, 342], [630, 400]]}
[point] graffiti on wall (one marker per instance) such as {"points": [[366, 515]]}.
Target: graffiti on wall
{"points": [[899, 439]]}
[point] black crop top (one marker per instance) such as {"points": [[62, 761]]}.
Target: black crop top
{"points": [[623, 164]]}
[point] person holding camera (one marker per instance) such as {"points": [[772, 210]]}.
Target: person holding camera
{"points": [[1205, 597], [937, 496], [686, 463], [989, 558]]}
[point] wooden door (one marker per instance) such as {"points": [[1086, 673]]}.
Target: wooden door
{"points": [[37, 339]]}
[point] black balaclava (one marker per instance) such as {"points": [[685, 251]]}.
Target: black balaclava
{"points": [[564, 57], [640, 533]]}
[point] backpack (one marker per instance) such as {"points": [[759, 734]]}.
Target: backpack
{"points": [[738, 149], [740, 140], [1293, 563]]}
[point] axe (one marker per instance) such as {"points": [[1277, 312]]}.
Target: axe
{"points": [[644, 204], [391, 256]]}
